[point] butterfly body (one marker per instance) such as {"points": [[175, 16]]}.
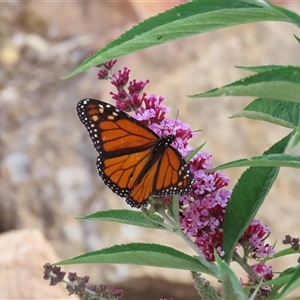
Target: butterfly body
{"points": [[134, 162]]}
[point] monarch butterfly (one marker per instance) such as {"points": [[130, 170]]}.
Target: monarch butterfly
{"points": [[134, 162]]}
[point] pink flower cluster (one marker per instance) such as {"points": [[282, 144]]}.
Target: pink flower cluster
{"points": [[264, 273], [253, 244], [204, 207], [253, 240], [147, 109]]}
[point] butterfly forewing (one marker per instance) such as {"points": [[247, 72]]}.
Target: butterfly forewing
{"points": [[112, 131]]}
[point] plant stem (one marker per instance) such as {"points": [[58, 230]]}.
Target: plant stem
{"points": [[242, 262], [179, 232]]}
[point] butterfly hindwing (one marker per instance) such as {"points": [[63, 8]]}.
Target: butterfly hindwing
{"points": [[169, 174], [121, 173], [143, 188], [172, 175]]}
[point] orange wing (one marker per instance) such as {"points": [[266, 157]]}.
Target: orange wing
{"points": [[168, 175], [112, 131], [121, 173], [173, 174], [143, 189], [124, 144]]}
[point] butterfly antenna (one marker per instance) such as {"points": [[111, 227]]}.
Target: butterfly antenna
{"points": [[173, 124], [177, 114], [197, 130]]}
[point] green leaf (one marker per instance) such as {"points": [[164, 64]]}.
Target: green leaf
{"points": [[280, 281], [296, 138], [194, 152], [291, 285], [185, 20], [293, 17], [268, 160], [281, 253], [230, 284], [260, 69], [282, 113], [279, 83], [123, 216], [141, 254], [297, 38], [228, 290], [247, 197], [283, 278]]}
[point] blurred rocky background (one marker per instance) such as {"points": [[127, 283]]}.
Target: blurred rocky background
{"points": [[47, 172]]}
